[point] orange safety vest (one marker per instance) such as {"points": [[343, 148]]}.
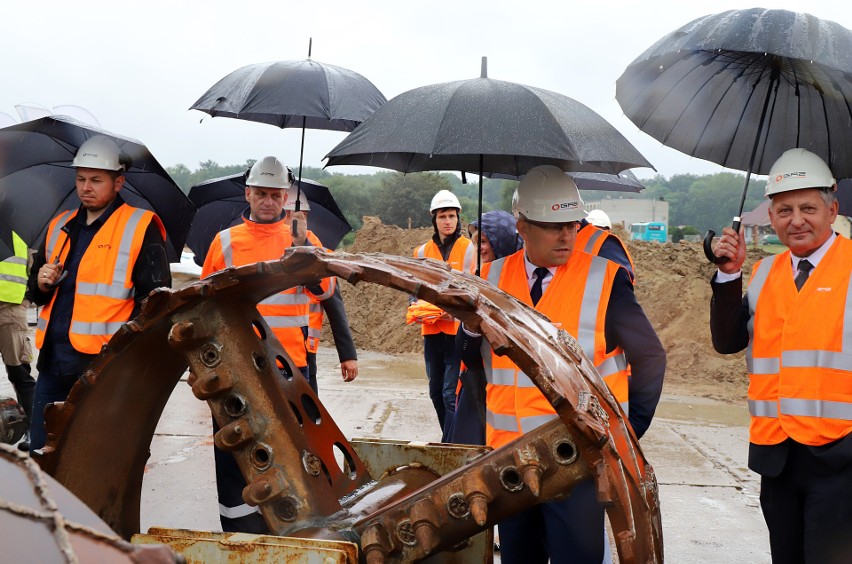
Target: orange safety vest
{"points": [[315, 311], [286, 312], [591, 238], [104, 293], [800, 346], [514, 405], [463, 258]]}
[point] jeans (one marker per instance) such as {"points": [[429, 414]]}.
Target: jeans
{"points": [[50, 387], [442, 369]]}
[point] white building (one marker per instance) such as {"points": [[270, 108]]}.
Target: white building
{"points": [[627, 211]]}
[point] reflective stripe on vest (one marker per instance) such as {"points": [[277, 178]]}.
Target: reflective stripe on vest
{"points": [[13, 272], [227, 251], [50, 245], [593, 238]]}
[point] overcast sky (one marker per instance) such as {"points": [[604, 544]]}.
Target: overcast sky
{"points": [[138, 66]]}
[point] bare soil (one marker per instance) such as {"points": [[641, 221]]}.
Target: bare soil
{"points": [[672, 285]]}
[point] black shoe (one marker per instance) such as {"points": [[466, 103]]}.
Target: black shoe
{"points": [[24, 446]]}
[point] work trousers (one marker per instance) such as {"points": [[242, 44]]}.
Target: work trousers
{"points": [[312, 372], [808, 509], [50, 387], [442, 369], [568, 531]]}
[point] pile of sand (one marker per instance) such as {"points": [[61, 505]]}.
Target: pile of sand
{"points": [[672, 285]]}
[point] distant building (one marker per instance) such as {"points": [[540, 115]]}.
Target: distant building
{"points": [[628, 211]]}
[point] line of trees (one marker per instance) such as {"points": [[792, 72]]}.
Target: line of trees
{"points": [[699, 202]]}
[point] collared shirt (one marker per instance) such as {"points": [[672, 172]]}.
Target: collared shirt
{"points": [[814, 259], [531, 277]]}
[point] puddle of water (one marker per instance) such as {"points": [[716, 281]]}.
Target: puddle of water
{"points": [[698, 410]]}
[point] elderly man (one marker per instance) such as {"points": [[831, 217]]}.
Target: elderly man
{"points": [[592, 299], [96, 266], [794, 322]]}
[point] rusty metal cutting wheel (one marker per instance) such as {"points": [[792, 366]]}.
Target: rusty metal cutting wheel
{"points": [[288, 446]]}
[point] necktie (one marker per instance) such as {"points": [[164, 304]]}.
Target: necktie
{"points": [[535, 291], [804, 269]]}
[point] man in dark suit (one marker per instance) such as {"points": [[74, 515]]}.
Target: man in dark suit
{"points": [[795, 321]]}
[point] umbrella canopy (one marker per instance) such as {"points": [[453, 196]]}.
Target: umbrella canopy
{"points": [[486, 125], [221, 202], [844, 196], [624, 181], [303, 93], [705, 88], [37, 181]]}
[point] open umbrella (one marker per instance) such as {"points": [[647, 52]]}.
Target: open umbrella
{"points": [[221, 202], [307, 94], [624, 181], [487, 126], [37, 181], [741, 87]]}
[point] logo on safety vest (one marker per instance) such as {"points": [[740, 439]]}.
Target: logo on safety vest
{"points": [[565, 206]]}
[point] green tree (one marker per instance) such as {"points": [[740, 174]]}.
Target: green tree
{"points": [[404, 197]]}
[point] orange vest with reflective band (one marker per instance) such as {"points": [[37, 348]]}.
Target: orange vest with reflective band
{"points": [[799, 355], [575, 300], [463, 258], [591, 238], [315, 311], [286, 312], [104, 294]]}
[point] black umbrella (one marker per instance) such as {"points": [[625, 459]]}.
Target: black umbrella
{"points": [[221, 202], [307, 94], [844, 196], [37, 181], [488, 126], [624, 181], [741, 87]]}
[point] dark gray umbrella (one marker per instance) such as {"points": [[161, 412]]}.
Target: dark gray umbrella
{"points": [[741, 87], [307, 94], [487, 126], [624, 181], [221, 202], [37, 181]]}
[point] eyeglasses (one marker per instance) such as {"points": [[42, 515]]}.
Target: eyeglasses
{"points": [[554, 227]]}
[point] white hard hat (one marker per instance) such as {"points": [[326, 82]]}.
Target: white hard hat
{"points": [[290, 201], [548, 194], [444, 199], [268, 172], [98, 152], [599, 218], [797, 169]]}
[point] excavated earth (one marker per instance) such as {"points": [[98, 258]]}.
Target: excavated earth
{"points": [[672, 285]]}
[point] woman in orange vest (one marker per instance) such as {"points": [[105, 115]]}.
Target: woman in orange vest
{"points": [[96, 266], [439, 350], [795, 322]]}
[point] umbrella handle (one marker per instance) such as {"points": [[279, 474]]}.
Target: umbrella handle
{"points": [[708, 244]]}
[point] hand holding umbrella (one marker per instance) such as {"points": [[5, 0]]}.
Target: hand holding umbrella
{"points": [[741, 87]]}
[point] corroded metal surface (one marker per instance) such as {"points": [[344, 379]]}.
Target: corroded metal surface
{"points": [[41, 521], [301, 472], [13, 421]]}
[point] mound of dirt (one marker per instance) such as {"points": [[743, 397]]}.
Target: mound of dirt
{"points": [[672, 284]]}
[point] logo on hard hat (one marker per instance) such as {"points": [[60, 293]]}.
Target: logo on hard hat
{"points": [[787, 175], [264, 173], [565, 206]]}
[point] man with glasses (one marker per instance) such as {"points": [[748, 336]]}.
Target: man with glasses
{"points": [[574, 290]]}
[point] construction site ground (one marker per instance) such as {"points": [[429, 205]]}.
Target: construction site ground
{"points": [[697, 443]]}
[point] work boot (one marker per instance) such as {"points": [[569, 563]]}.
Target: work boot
{"points": [[24, 445]]}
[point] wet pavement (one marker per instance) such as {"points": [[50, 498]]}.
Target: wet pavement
{"points": [[698, 449]]}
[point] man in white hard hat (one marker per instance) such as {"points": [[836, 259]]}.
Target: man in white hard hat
{"points": [[795, 322], [264, 235], [333, 307], [595, 236], [439, 351], [546, 275], [80, 274]]}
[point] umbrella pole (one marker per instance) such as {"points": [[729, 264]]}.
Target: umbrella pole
{"points": [[299, 183], [708, 237], [479, 220]]}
